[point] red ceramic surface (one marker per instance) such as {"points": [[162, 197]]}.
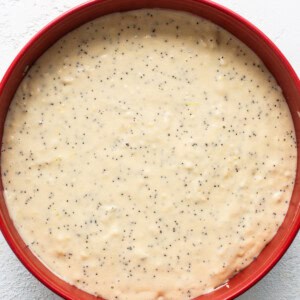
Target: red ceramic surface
{"points": [[238, 26]]}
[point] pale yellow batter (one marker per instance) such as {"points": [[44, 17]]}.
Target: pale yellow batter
{"points": [[148, 155]]}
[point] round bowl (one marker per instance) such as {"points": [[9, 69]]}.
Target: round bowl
{"points": [[242, 29]]}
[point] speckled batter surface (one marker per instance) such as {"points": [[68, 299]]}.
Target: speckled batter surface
{"points": [[144, 148]]}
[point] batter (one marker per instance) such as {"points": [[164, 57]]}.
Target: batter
{"points": [[148, 155]]}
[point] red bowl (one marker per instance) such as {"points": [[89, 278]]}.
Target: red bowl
{"points": [[242, 29]]}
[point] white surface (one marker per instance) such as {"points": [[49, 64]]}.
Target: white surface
{"points": [[20, 19]]}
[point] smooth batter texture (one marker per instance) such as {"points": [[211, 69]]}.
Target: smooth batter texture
{"points": [[148, 155]]}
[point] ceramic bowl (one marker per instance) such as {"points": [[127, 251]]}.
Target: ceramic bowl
{"points": [[238, 26]]}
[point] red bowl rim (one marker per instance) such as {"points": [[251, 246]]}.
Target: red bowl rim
{"points": [[295, 228]]}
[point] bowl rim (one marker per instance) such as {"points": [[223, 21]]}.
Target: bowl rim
{"points": [[295, 226]]}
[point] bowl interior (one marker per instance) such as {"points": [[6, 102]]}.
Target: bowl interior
{"points": [[243, 30]]}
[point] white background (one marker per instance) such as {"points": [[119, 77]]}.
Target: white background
{"points": [[20, 19]]}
